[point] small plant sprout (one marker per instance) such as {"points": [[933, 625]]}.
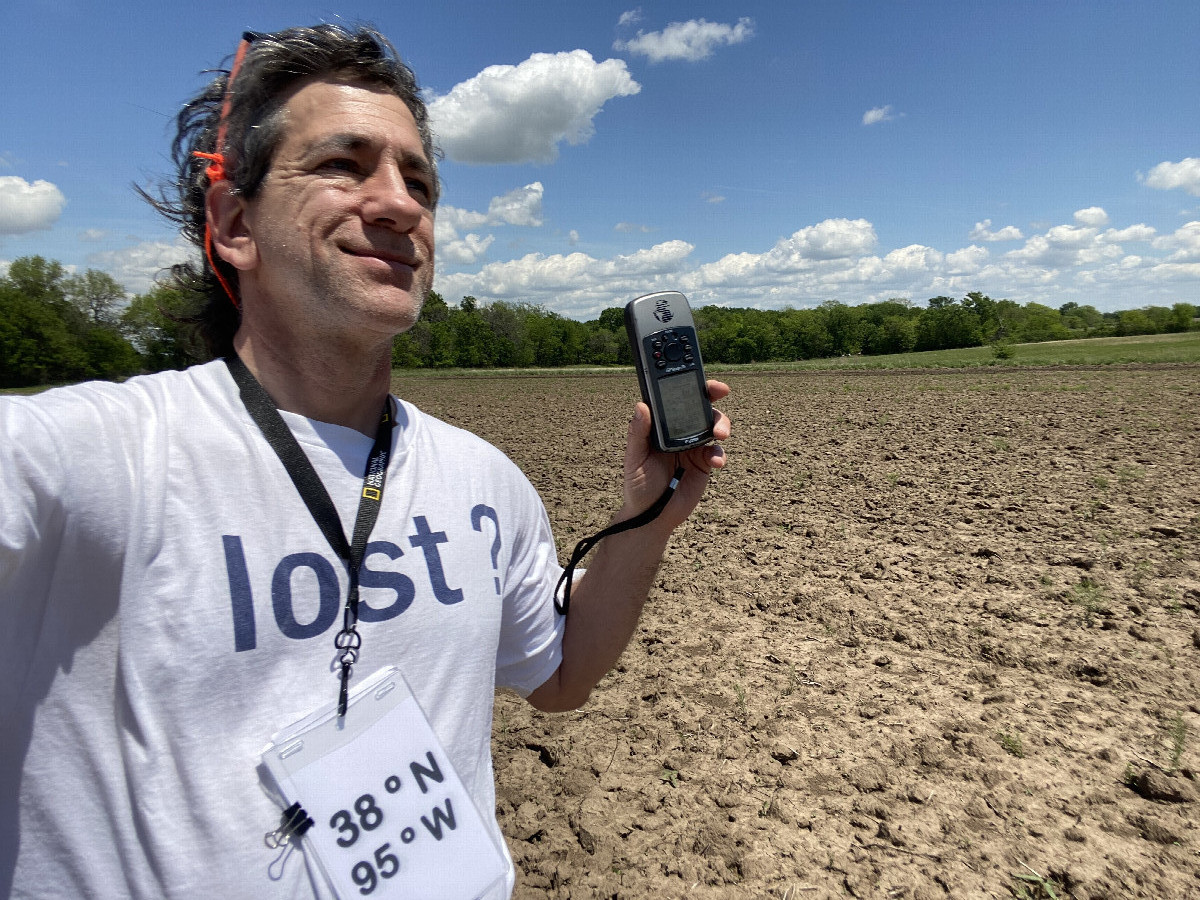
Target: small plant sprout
{"points": [[1034, 886], [1011, 744], [1126, 474], [1090, 596], [1179, 734]]}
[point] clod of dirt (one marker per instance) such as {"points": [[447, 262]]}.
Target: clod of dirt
{"points": [[869, 778], [784, 754], [1166, 531], [1160, 786], [586, 841], [1096, 673], [578, 783], [1154, 830]]}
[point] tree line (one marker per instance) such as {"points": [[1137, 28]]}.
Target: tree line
{"points": [[518, 335], [56, 327]]}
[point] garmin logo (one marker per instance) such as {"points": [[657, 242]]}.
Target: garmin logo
{"points": [[662, 310]]}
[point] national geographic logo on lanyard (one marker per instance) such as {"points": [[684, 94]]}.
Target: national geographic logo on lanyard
{"points": [[373, 480]]}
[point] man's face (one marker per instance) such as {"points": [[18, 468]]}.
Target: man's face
{"points": [[342, 226]]}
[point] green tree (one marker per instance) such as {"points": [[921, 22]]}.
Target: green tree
{"points": [[435, 308], [987, 311], [1182, 317], [946, 325], [507, 321], [895, 334], [473, 337], [1081, 320], [612, 319], [1041, 323], [155, 323], [406, 348], [604, 346], [611, 323], [36, 346], [45, 337], [96, 295], [842, 324], [109, 355], [40, 280], [1134, 321], [1159, 315], [802, 335]]}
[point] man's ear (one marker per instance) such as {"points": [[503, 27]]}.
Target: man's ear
{"points": [[231, 237]]}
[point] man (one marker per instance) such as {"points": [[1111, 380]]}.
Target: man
{"points": [[173, 598]]}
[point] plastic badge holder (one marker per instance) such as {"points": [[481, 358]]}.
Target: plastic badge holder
{"points": [[391, 817]]}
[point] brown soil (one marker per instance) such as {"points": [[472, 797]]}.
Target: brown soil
{"points": [[928, 635]]}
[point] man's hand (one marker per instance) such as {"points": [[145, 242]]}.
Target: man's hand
{"points": [[647, 471]]}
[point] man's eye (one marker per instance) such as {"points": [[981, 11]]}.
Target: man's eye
{"points": [[419, 188], [340, 165]]}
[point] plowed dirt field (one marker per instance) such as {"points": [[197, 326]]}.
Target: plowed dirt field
{"points": [[928, 635]]}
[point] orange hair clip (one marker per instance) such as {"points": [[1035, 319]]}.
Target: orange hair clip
{"points": [[216, 160]]}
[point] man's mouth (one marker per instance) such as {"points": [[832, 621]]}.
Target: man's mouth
{"points": [[402, 259]]}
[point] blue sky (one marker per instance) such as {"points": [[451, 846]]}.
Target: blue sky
{"points": [[765, 154]]}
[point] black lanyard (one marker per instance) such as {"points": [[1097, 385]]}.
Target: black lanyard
{"points": [[266, 415]]}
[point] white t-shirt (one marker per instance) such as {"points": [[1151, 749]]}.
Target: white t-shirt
{"points": [[169, 604]]}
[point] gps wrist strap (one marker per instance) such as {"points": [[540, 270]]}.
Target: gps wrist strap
{"points": [[585, 546]]}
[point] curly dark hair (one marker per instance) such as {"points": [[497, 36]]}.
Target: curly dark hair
{"points": [[273, 64]]}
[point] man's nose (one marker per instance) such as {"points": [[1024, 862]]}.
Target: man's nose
{"points": [[388, 201]]}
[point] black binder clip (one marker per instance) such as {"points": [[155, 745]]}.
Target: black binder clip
{"points": [[292, 825]]}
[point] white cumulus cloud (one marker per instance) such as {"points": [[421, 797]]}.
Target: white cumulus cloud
{"points": [[521, 206], [983, 232], [1132, 233], [450, 219], [136, 267], [830, 239], [466, 250], [966, 261], [877, 115], [1093, 217], [517, 114], [913, 258], [832, 250], [1184, 243], [26, 206], [574, 283], [1067, 246], [1173, 176], [690, 41]]}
